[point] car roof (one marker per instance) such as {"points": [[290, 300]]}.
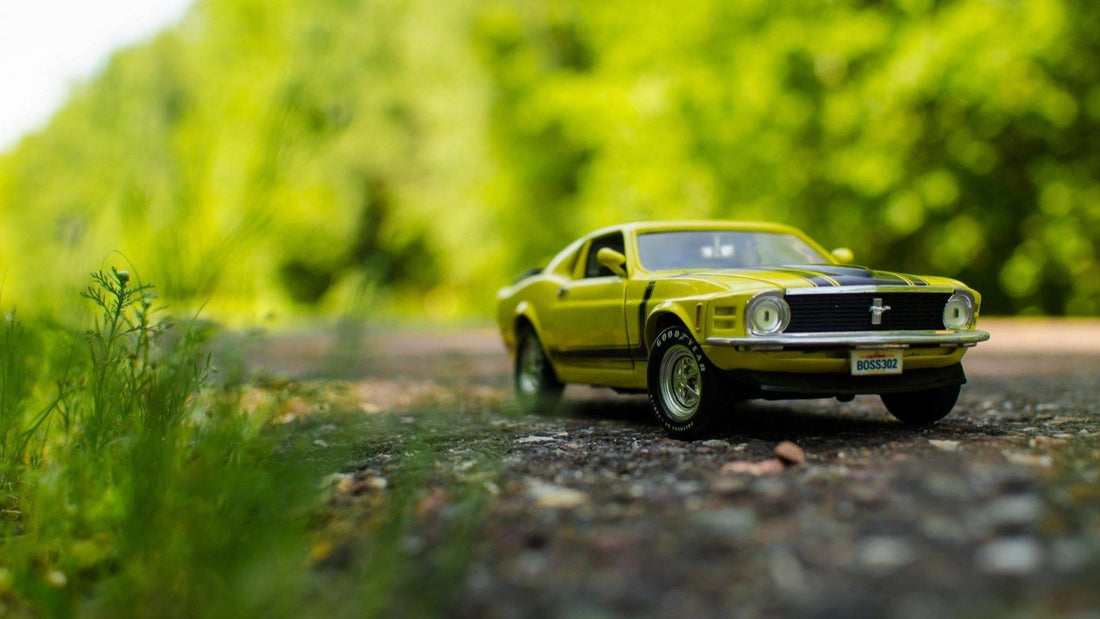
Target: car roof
{"points": [[641, 227]]}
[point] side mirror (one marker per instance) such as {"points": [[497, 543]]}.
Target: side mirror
{"points": [[612, 260], [844, 255]]}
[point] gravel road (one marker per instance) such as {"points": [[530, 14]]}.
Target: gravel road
{"points": [[592, 512]]}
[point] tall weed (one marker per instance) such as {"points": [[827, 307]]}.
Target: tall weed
{"points": [[150, 492], [135, 485]]}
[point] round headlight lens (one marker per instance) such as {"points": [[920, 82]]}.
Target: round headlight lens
{"points": [[768, 315], [958, 312]]}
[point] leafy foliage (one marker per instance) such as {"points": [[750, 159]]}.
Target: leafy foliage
{"points": [[286, 156]]}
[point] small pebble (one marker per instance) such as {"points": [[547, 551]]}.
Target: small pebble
{"points": [[758, 469], [1047, 441], [685, 488], [1017, 510], [944, 445], [885, 553], [727, 485], [1027, 459], [535, 439], [790, 453], [1010, 557], [554, 496], [787, 572]]}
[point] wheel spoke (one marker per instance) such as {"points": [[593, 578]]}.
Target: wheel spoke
{"points": [[680, 382]]}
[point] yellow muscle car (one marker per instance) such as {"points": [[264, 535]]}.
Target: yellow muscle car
{"points": [[702, 314]]}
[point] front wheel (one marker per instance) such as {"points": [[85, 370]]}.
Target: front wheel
{"points": [[537, 386], [684, 386], [921, 408]]}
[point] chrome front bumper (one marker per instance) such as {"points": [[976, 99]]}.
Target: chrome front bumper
{"points": [[853, 339]]}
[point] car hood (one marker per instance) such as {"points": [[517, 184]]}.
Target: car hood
{"points": [[803, 276]]}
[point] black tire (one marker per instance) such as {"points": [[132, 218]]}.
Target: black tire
{"points": [[922, 408], [537, 386], [685, 388]]}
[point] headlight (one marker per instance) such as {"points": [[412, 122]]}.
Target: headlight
{"points": [[767, 314], [958, 312]]}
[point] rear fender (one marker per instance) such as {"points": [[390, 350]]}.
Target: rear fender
{"points": [[524, 313]]}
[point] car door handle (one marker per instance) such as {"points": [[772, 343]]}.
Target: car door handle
{"points": [[562, 292]]}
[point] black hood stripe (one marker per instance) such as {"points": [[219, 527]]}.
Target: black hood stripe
{"points": [[834, 276], [862, 276], [817, 280]]}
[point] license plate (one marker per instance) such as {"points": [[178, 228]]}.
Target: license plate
{"points": [[871, 362]]}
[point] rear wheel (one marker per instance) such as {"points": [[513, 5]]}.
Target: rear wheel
{"points": [[685, 389], [922, 408], [537, 386]]}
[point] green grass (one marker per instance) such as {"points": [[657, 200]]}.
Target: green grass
{"points": [[134, 484]]}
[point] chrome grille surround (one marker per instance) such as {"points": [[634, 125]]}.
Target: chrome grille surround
{"points": [[856, 309]]}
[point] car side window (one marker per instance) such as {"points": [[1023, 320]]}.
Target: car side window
{"points": [[592, 267]]}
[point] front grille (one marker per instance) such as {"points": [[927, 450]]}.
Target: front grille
{"points": [[909, 311]]}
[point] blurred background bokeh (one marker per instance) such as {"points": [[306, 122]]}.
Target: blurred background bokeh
{"points": [[274, 160]]}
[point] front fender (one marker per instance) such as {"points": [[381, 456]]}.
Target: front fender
{"points": [[674, 310]]}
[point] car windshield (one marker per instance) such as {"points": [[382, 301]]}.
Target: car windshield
{"points": [[722, 249]]}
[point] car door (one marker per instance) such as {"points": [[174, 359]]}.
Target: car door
{"points": [[588, 320]]}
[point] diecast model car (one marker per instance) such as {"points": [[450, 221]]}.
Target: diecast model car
{"points": [[703, 314]]}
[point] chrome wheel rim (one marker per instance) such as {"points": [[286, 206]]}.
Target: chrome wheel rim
{"points": [[681, 384], [531, 367]]}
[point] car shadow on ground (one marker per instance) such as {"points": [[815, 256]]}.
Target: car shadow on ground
{"points": [[775, 421]]}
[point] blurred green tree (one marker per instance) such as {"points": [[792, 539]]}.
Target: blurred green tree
{"points": [[277, 155]]}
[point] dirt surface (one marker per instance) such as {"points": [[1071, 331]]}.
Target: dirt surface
{"points": [[593, 512]]}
